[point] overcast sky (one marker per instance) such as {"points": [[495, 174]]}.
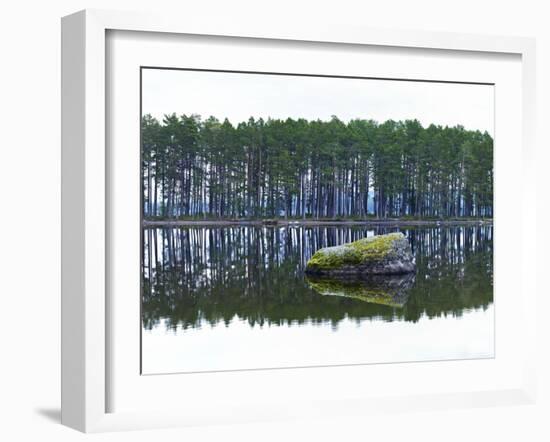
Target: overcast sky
{"points": [[240, 96]]}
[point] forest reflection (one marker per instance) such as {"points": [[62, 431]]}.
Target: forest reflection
{"points": [[205, 275]]}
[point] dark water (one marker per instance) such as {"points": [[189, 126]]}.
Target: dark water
{"points": [[198, 276]]}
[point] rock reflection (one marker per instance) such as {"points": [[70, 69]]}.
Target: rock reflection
{"points": [[391, 290]]}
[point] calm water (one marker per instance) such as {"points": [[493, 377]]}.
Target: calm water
{"points": [[218, 298]]}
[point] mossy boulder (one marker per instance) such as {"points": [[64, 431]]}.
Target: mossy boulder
{"points": [[376, 255], [391, 290]]}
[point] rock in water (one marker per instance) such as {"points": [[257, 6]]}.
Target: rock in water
{"points": [[376, 255]]}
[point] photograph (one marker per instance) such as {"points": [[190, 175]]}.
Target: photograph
{"points": [[306, 220]]}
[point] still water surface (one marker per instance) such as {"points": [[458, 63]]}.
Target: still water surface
{"points": [[222, 298]]}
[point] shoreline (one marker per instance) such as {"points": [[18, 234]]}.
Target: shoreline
{"points": [[389, 222]]}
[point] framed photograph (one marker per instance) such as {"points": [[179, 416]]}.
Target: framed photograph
{"points": [[291, 223]]}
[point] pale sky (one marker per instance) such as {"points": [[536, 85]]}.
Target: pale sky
{"points": [[238, 96], [240, 346]]}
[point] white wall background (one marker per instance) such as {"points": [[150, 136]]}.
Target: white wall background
{"points": [[30, 214]]}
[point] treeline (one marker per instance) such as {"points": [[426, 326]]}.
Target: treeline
{"points": [[195, 168]]}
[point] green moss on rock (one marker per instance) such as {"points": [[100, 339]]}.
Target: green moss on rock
{"points": [[334, 257], [374, 248]]}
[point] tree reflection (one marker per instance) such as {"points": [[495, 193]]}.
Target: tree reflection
{"points": [[199, 275]]}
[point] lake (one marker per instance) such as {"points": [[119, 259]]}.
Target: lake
{"points": [[236, 297]]}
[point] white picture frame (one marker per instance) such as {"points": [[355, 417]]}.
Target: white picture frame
{"points": [[86, 352]]}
